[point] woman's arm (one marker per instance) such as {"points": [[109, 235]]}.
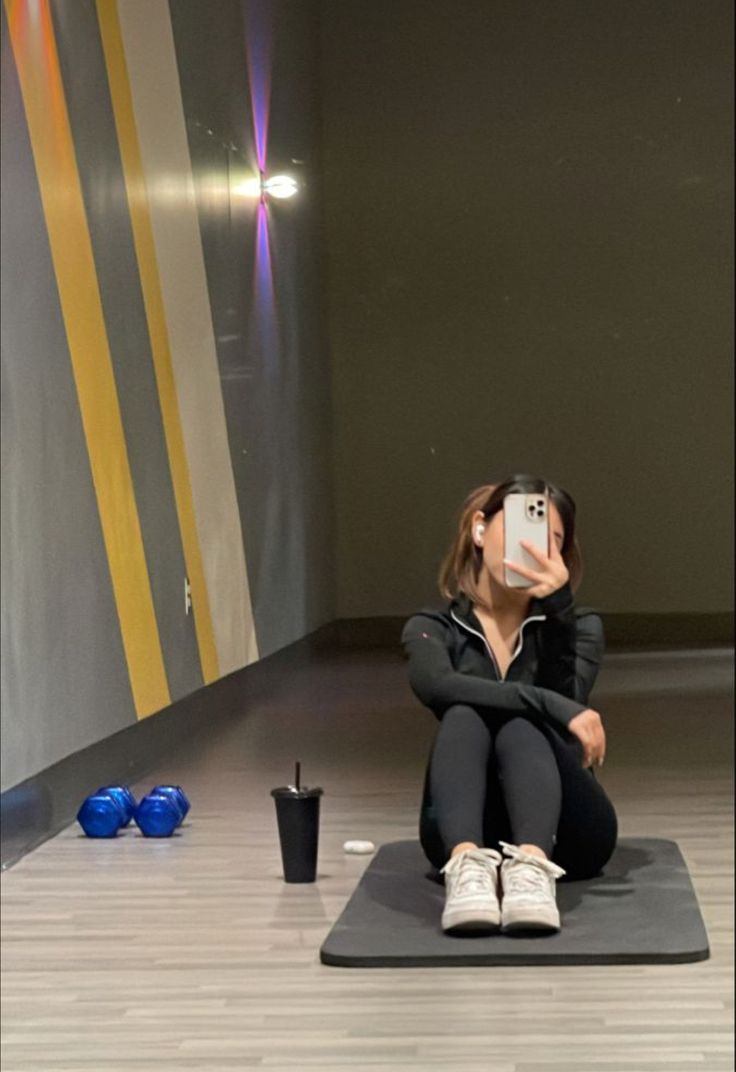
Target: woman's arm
{"points": [[438, 685], [570, 646]]}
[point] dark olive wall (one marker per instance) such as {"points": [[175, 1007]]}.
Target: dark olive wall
{"points": [[529, 226]]}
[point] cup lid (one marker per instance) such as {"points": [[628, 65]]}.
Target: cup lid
{"points": [[292, 791]]}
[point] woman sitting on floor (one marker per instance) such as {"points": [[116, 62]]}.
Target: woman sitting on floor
{"points": [[508, 672]]}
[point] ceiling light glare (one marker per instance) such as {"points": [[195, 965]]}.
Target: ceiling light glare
{"points": [[281, 186]]}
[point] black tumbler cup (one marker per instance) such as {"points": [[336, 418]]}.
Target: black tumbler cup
{"points": [[297, 812]]}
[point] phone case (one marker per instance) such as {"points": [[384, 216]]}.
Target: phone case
{"points": [[525, 517]]}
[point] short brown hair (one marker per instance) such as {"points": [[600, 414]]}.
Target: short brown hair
{"points": [[460, 567]]}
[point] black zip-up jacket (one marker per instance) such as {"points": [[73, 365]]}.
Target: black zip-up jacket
{"points": [[551, 674]]}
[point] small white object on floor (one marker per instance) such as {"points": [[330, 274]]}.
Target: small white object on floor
{"points": [[359, 846]]}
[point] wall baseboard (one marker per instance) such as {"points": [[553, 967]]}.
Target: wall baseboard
{"points": [[46, 803]]}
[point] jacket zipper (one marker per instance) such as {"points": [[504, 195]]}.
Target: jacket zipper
{"points": [[532, 618]]}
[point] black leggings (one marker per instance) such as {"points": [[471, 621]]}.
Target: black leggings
{"points": [[504, 778]]}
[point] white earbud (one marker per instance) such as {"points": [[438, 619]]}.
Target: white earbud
{"points": [[479, 532]]}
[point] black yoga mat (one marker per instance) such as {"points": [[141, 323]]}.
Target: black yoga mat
{"points": [[641, 909]]}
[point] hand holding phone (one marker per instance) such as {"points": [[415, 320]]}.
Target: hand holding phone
{"points": [[548, 571], [525, 517]]}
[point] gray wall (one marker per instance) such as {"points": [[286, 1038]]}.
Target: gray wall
{"points": [[529, 228], [66, 682]]}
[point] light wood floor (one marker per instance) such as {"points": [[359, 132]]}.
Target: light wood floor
{"points": [[192, 953]]}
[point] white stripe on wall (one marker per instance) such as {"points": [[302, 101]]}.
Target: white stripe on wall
{"points": [[149, 51]]}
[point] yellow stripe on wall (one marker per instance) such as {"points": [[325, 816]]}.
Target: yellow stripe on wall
{"points": [[146, 253], [34, 47]]}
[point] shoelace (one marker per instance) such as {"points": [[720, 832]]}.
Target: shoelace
{"points": [[472, 870], [523, 877]]}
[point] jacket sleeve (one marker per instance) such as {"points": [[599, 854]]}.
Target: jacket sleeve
{"points": [[436, 683], [570, 646]]}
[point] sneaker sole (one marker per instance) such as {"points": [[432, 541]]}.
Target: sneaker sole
{"points": [[471, 919], [518, 921]]}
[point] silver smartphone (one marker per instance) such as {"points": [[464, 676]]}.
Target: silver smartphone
{"points": [[525, 517]]}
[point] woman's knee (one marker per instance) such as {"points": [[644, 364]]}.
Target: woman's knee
{"points": [[461, 712], [520, 732], [461, 732], [462, 719]]}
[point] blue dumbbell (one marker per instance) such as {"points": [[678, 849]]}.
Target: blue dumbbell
{"points": [[178, 794], [158, 815], [124, 797], [101, 815]]}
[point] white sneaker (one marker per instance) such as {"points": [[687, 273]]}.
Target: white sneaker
{"points": [[528, 898], [471, 898]]}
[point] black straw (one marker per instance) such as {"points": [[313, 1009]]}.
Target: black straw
{"points": [[298, 765]]}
